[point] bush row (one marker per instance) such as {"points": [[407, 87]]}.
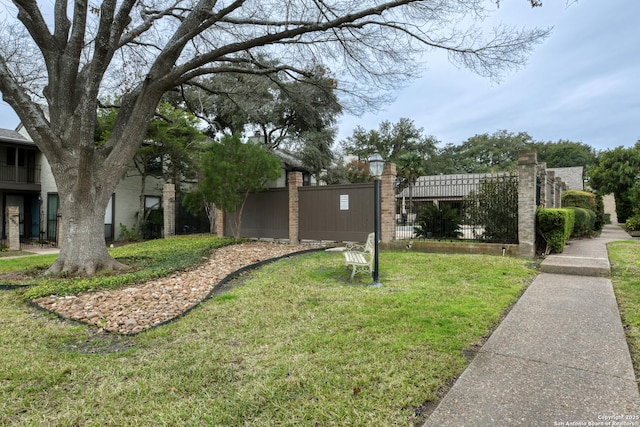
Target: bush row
{"points": [[582, 215]]}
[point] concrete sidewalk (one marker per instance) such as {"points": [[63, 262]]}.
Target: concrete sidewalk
{"points": [[35, 251], [559, 358]]}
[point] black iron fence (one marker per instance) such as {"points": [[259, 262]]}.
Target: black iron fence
{"points": [[186, 222], [482, 207], [32, 234]]}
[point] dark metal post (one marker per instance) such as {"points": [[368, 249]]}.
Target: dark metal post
{"points": [[376, 201]]}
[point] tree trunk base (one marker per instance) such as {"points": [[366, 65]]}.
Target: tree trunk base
{"points": [[86, 268]]}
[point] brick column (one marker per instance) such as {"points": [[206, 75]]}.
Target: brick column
{"points": [[544, 196], [169, 209], [527, 161], [220, 222], [551, 197], [557, 184], [388, 203], [294, 181], [13, 227]]}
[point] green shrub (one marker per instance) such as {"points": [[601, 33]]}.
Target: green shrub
{"points": [[579, 199], [601, 218], [438, 222], [589, 201], [554, 226], [633, 223], [585, 220]]}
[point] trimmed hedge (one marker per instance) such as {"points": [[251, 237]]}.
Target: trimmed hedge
{"points": [[585, 221], [585, 200], [555, 227], [579, 199]]}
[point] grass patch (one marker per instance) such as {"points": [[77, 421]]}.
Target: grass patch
{"points": [[294, 343], [27, 264], [8, 253], [148, 260], [625, 260]]}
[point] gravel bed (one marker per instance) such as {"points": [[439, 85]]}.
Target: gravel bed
{"points": [[135, 308]]}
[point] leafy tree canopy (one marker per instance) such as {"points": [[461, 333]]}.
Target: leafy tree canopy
{"points": [[391, 140], [316, 151], [617, 171], [278, 106], [487, 152], [172, 140], [564, 153]]}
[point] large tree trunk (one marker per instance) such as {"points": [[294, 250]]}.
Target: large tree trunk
{"points": [[83, 250], [81, 234], [86, 177]]}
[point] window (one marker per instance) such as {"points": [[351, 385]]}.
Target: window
{"points": [[19, 155], [152, 202], [11, 156]]}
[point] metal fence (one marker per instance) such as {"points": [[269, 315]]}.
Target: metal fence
{"points": [[20, 174], [32, 234], [186, 222], [482, 207]]}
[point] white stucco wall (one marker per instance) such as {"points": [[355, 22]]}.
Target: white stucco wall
{"points": [[127, 198], [127, 195]]}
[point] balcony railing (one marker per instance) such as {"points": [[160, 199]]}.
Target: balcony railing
{"points": [[20, 174]]}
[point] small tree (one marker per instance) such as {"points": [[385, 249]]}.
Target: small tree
{"points": [[171, 145], [358, 171], [231, 170], [316, 151], [410, 168]]}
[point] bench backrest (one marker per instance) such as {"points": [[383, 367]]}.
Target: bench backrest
{"points": [[369, 247]]}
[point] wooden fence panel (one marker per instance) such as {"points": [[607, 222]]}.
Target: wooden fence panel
{"points": [[265, 215], [336, 213]]}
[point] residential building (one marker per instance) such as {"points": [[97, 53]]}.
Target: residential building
{"points": [[20, 182], [26, 181]]}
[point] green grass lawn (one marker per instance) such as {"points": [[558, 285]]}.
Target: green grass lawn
{"points": [[625, 260], [291, 344]]}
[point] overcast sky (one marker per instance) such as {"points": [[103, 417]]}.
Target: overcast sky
{"points": [[581, 84]]}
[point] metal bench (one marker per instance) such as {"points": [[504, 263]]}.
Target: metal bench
{"points": [[360, 257]]}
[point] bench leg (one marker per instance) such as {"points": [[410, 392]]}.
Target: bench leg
{"points": [[353, 272]]}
